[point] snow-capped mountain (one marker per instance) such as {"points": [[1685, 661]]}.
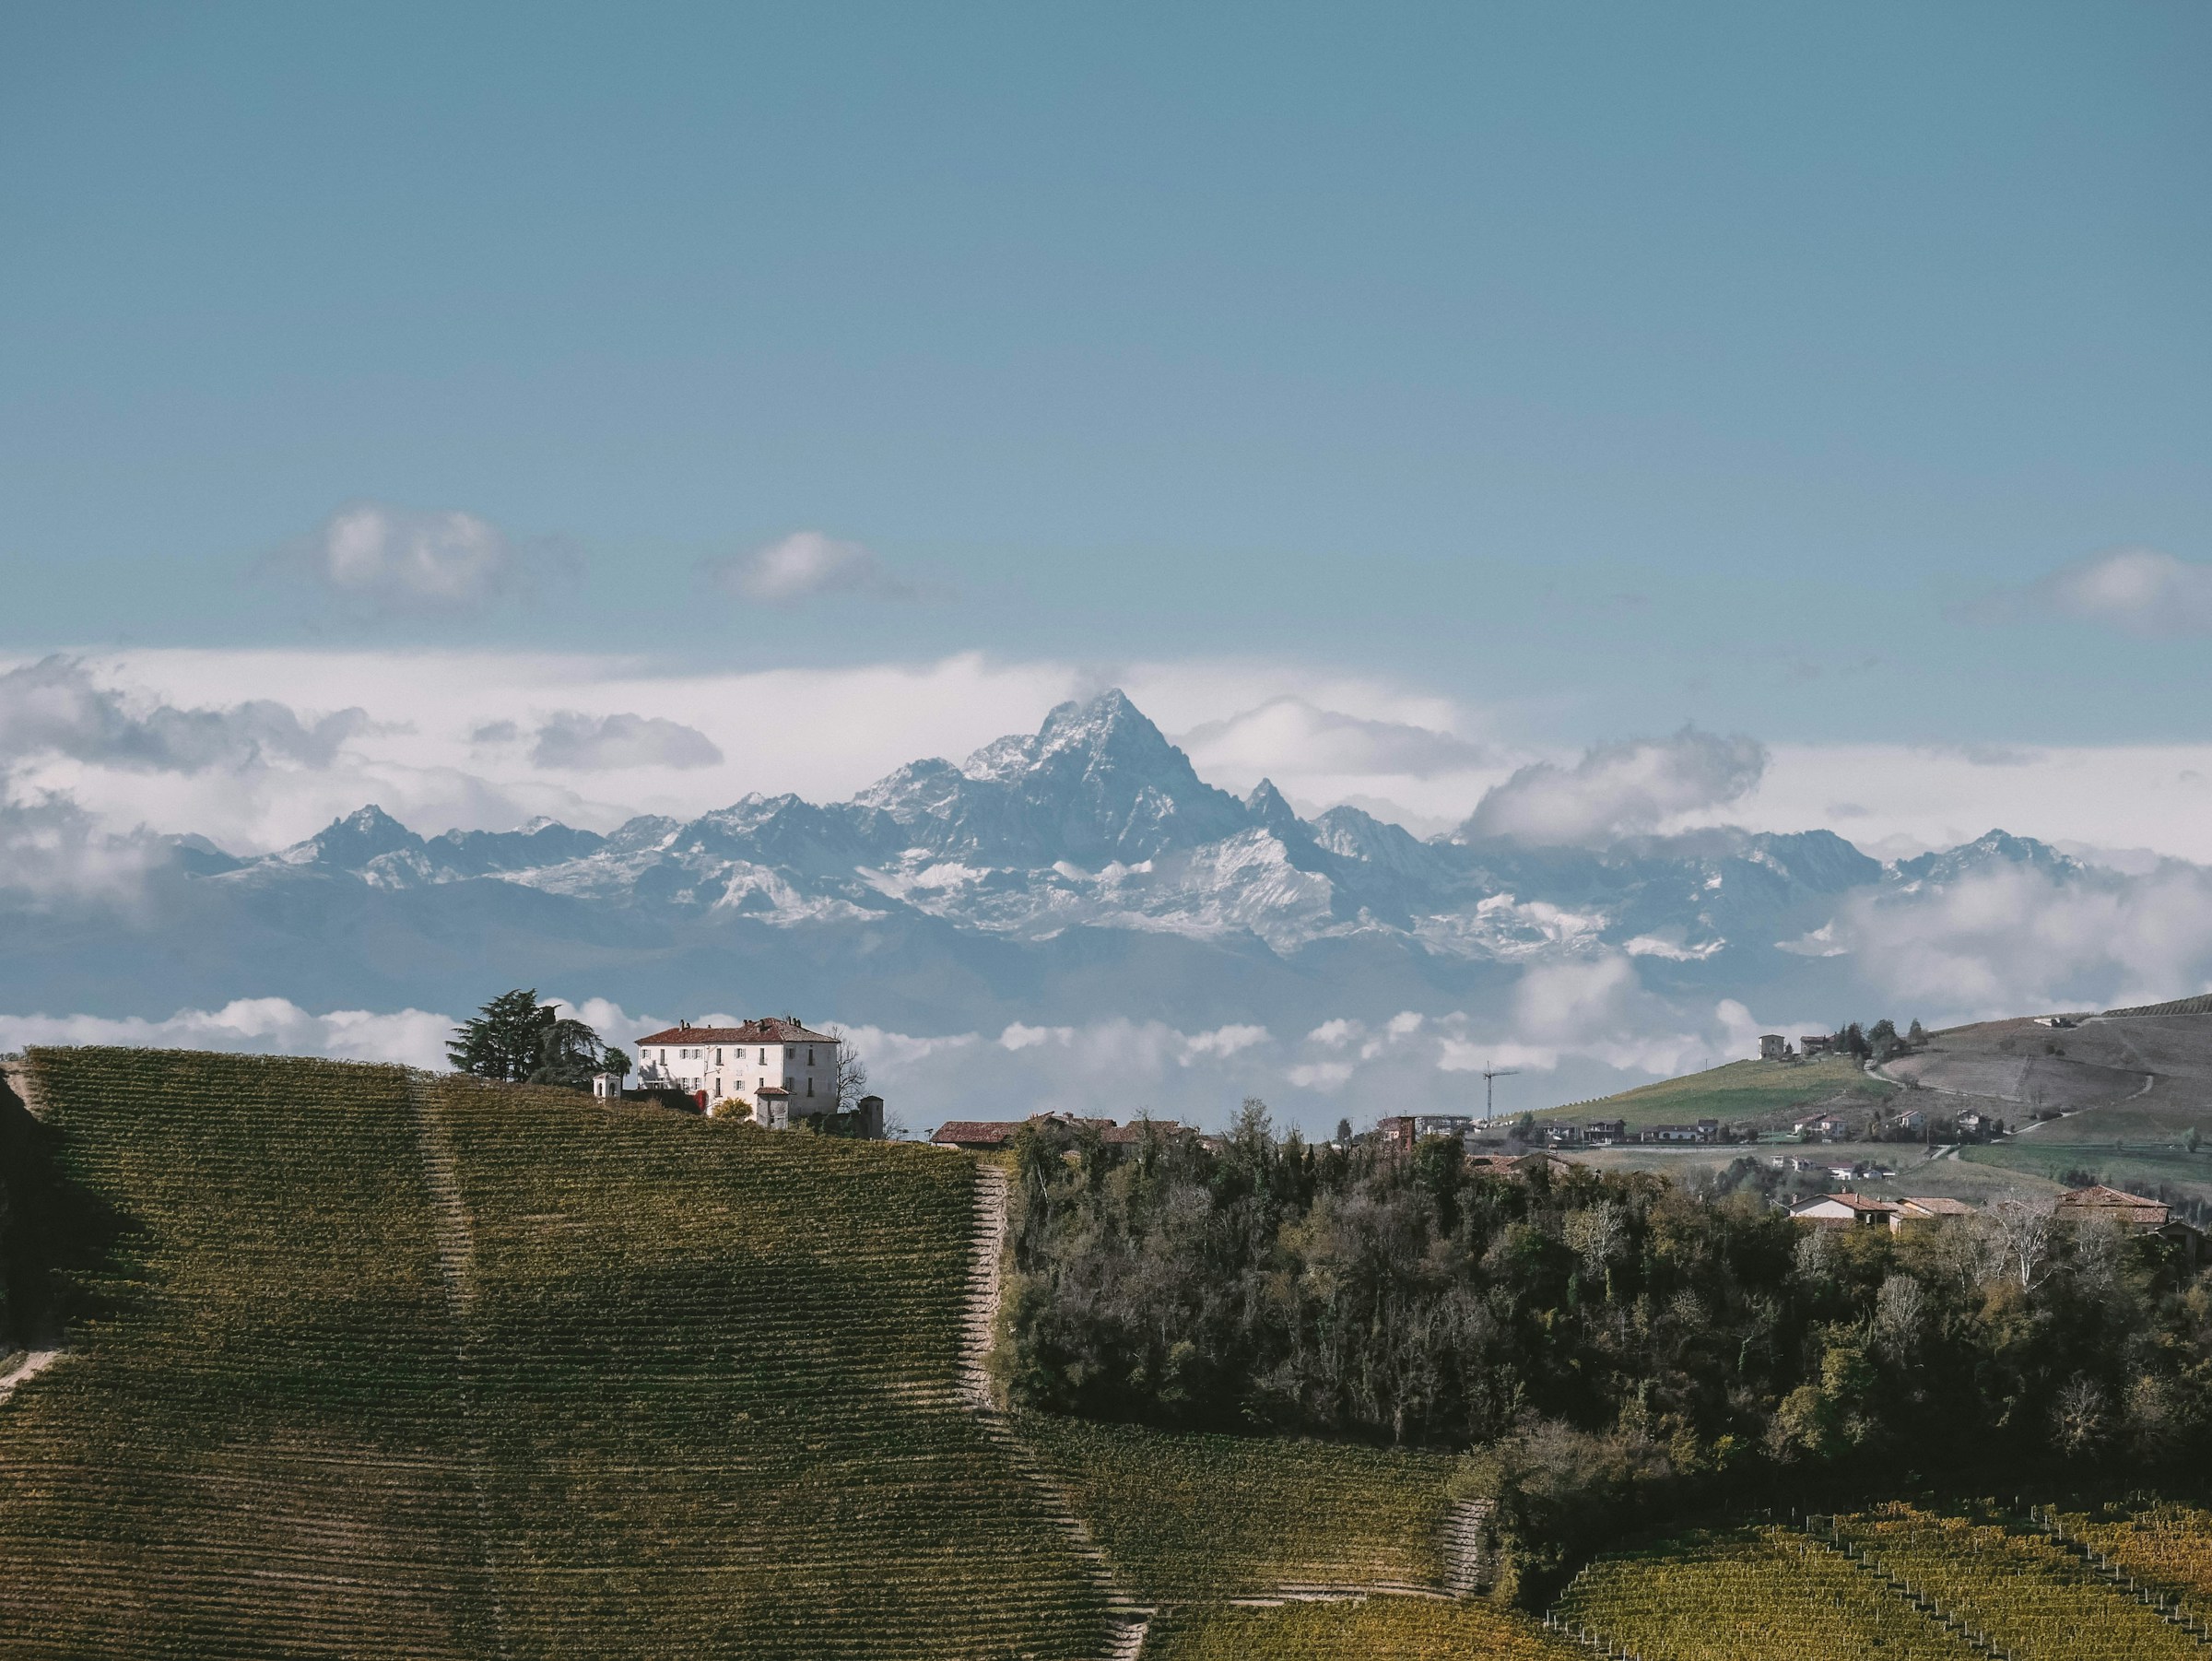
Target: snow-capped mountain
{"points": [[1078, 873], [1098, 821]]}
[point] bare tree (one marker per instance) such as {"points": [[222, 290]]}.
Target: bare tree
{"points": [[852, 1073], [2015, 1239]]}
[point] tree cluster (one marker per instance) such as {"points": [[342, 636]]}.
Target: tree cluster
{"points": [[1591, 1336], [516, 1040]]}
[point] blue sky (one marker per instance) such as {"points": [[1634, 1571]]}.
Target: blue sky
{"points": [[1602, 367]]}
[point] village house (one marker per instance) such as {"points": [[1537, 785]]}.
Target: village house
{"points": [[1844, 1212], [1927, 1208], [772, 1071], [1603, 1133], [1816, 1043], [1825, 1127], [988, 1135], [1773, 1046], [2133, 1210]]}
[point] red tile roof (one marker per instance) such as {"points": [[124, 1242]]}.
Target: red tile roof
{"points": [[1857, 1202], [2100, 1195], [987, 1133], [770, 1029]]}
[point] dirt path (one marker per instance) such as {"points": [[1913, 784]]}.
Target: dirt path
{"points": [[457, 1268], [16, 1075], [1127, 1621], [29, 1367]]}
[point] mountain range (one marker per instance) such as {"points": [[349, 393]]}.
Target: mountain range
{"points": [[1082, 872]]}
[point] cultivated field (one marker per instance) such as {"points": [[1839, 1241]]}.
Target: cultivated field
{"points": [[1200, 1518], [1771, 1092], [1901, 1582], [1377, 1629], [375, 1365]]}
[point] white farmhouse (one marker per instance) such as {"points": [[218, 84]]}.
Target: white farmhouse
{"points": [[772, 1071]]}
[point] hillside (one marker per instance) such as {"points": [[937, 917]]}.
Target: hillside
{"points": [[365, 1362], [370, 1363], [1767, 1093]]}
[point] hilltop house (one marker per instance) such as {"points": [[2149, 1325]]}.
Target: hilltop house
{"points": [[773, 1071], [2133, 1210], [1773, 1046]]}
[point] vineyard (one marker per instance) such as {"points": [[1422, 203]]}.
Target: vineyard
{"points": [[376, 1364], [1377, 1629], [364, 1362], [2161, 1545], [1198, 1518], [1914, 1584], [2014, 1584]]}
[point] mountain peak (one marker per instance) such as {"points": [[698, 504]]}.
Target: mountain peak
{"points": [[351, 841], [1267, 806]]}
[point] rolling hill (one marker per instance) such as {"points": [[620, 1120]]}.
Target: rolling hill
{"points": [[364, 1362]]}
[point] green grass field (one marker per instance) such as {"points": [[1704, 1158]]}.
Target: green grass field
{"points": [[656, 1386], [2115, 1166], [1767, 1090]]}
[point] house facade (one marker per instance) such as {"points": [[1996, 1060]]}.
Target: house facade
{"points": [[773, 1071]]}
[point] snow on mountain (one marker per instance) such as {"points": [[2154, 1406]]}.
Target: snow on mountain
{"points": [[1052, 884], [1098, 821]]}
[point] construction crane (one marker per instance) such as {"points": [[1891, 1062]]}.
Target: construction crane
{"points": [[1489, 1100]]}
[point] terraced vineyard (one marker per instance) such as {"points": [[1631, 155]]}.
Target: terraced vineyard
{"points": [[1379, 1629], [2031, 1600], [2161, 1544], [1760, 1595], [1202, 1518], [381, 1365]]}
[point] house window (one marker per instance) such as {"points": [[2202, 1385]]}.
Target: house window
{"points": [[810, 1087]]}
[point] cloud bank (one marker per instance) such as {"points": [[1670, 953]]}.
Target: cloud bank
{"points": [[1619, 790], [577, 742], [54, 706]]}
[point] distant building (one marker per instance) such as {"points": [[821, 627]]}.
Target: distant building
{"points": [[1844, 1212], [1442, 1125], [1601, 1133], [1396, 1134], [1826, 1126], [1520, 1166], [1773, 1046], [1704, 1130], [987, 1136], [1927, 1208], [2130, 1208], [773, 1071], [1971, 1123], [977, 1136], [1816, 1043]]}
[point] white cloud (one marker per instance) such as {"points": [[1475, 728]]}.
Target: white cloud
{"points": [[1620, 789], [51, 849], [596, 743], [271, 1025], [56, 706], [805, 564], [1221, 1043], [1316, 740], [404, 559], [2140, 590], [2011, 940]]}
